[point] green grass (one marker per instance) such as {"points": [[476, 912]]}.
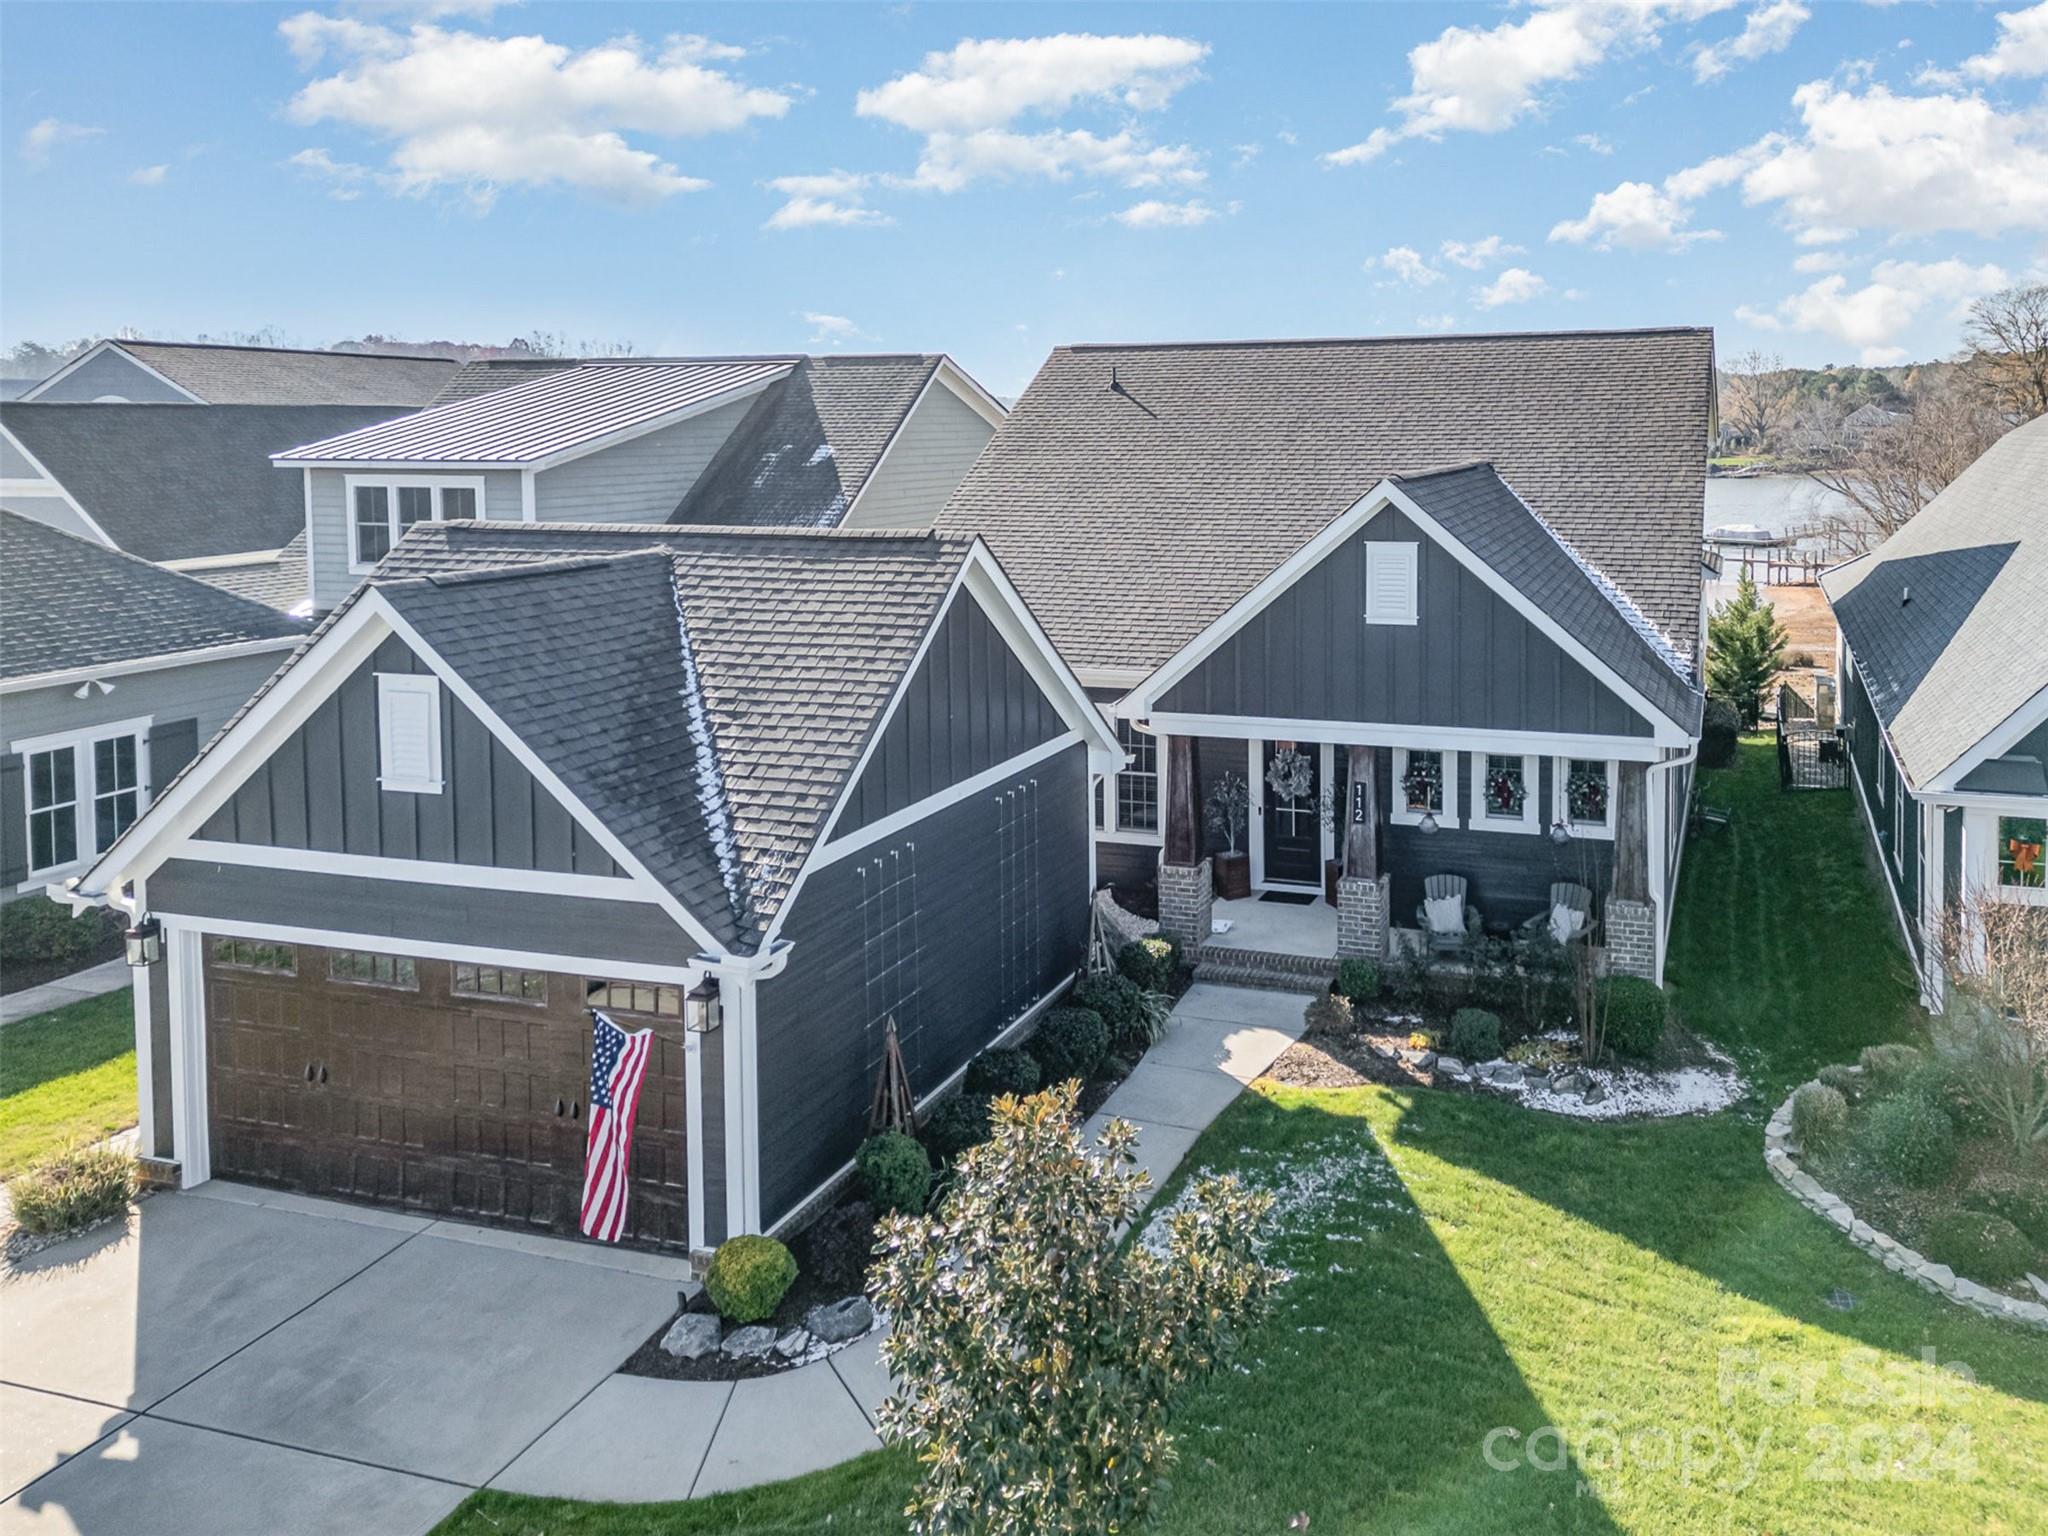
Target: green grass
{"points": [[1463, 1265], [67, 1075]]}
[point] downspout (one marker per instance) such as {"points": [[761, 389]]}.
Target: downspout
{"points": [[1690, 754]]}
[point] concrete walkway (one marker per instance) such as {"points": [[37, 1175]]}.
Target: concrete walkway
{"points": [[97, 981], [638, 1439]]}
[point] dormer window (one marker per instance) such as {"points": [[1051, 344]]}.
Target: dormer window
{"points": [[409, 732], [380, 510], [1390, 583]]}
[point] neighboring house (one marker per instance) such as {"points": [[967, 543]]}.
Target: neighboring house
{"points": [[203, 373], [820, 780], [1943, 658], [1254, 553], [824, 442], [113, 671], [488, 375]]}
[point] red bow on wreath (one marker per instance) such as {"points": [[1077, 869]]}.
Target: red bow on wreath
{"points": [[2026, 857]]}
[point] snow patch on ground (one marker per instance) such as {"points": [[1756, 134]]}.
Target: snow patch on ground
{"points": [[1634, 1091], [1309, 1190]]}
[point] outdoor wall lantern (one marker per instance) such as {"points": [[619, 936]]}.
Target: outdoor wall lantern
{"points": [[145, 943], [1560, 833], [1428, 822], [701, 1007]]}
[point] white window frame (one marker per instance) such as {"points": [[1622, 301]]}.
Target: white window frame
{"points": [[391, 485], [421, 685], [84, 786], [1560, 808], [1400, 815], [1531, 820], [1381, 553], [2027, 895], [1108, 819]]}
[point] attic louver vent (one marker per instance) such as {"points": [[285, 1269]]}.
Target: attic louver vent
{"points": [[1390, 571], [409, 733]]}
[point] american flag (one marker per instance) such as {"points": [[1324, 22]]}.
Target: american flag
{"points": [[618, 1063]]}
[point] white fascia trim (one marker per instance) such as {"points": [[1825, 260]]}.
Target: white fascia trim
{"points": [[402, 466], [151, 663], [1996, 743], [1638, 749], [899, 821], [1138, 703], [129, 357], [970, 391], [56, 488], [621, 855], [487, 877], [1111, 677], [222, 562], [1982, 800], [467, 954]]}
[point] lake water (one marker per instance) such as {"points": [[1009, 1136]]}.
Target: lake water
{"points": [[1776, 502]]}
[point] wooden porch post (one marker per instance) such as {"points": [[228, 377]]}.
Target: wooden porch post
{"points": [[1183, 830], [1632, 834], [1362, 834]]}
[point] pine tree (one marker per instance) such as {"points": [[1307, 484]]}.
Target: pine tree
{"points": [[1745, 650]]}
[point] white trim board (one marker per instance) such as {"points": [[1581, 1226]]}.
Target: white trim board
{"points": [[1637, 749], [489, 877], [56, 488], [899, 821]]}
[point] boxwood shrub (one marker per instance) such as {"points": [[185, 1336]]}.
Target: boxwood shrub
{"points": [[1819, 1116], [1150, 964], [1114, 999], [956, 1124], [895, 1171], [1889, 1065], [1004, 1071], [1637, 1011], [1979, 1246], [1910, 1137], [1358, 980], [748, 1277], [37, 931], [1070, 1042], [1475, 1035]]}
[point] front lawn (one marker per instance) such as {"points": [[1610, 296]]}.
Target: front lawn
{"points": [[67, 1075], [1468, 1272]]}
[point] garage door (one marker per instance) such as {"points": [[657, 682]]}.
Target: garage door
{"points": [[444, 1089]]}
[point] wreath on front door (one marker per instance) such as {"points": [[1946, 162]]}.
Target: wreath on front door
{"points": [[1290, 775]]}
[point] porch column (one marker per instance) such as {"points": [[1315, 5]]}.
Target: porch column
{"points": [[1186, 886], [1363, 897], [1631, 916]]}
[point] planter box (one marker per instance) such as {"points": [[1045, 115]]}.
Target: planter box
{"points": [[1233, 875]]}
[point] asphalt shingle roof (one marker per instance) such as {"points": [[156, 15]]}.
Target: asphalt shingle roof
{"points": [[71, 602], [1136, 492], [806, 447], [223, 375], [1947, 668], [281, 583], [488, 375], [172, 482]]}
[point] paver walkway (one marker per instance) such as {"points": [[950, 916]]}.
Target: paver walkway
{"points": [[639, 1439], [97, 981]]}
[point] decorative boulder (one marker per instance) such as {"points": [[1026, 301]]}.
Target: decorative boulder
{"points": [[838, 1321], [1596, 1092], [1450, 1065], [691, 1336], [1570, 1082], [793, 1343], [749, 1343]]}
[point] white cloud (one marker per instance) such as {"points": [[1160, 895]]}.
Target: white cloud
{"points": [[968, 101], [1442, 322], [1871, 318], [1478, 253], [1635, 216], [833, 198], [1483, 80], [1768, 28], [831, 330], [477, 113], [2020, 52], [149, 175], [1593, 142], [1407, 265], [1820, 261], [1517, 285], [344, 179], [47, 134], [1156, 214]]}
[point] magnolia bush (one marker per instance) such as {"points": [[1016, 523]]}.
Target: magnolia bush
{"points": [[1040, 1356]]}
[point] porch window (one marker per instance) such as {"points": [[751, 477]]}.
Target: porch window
{"points": [[1137, 787], [255, 955], [1425, 784], [1584, 795], [381, 510], [497, 981], [2023, 852], [635, 997], [372, 970], [1504, 792]]}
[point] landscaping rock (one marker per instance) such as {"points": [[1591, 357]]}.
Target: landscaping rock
{"points": [[1570, 1082], [2040, 1286], [749, 1343], [1503, 1074], [1450, 1064], [793, 1343], [1596, 1092], [692, 1336], [1384, 1052], [839, 1321], [1418, 1056], [1539, 1081]]}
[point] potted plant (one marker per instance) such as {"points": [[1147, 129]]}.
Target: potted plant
{"points": [[1228, 813]]}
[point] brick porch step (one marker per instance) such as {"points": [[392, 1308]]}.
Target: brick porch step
{"points": [[1264, 969]]}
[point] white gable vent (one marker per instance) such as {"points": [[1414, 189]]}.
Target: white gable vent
{"points": [[1390, 583], [409, 732]]}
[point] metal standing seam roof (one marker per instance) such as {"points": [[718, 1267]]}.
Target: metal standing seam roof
{"points": [[1969, 649], [546, 416], [72, 602]]}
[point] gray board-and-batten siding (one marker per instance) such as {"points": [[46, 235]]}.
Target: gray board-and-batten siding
{"points": [[1472, 661], [1883, 788]]}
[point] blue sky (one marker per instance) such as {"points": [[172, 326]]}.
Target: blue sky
{"points": [[1830, 181]]}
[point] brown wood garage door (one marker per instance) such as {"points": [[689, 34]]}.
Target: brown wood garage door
{"points": [[395, 1088]]}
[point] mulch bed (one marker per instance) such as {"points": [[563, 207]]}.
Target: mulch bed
{"points": [[1349, 1061], [23, 974]]}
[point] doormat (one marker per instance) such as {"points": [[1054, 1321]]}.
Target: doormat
{"points": [[1290, 898]]}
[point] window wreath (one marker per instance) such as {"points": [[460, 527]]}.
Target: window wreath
{"points": [[1585, 794], [1423, 781], [1290, 775], [1505, 791]]}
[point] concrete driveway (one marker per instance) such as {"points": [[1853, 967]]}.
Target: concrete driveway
{"points": [[241, 1363]]}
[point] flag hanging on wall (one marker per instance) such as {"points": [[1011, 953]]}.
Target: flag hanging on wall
{"points": [[618, 1063]]}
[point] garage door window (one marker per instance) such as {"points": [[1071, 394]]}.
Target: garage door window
{"points": [[495, 981], [635, 997], [373, 970], [253, 955]]}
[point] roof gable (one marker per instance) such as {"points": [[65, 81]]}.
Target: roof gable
{"points": [[215, 374]]}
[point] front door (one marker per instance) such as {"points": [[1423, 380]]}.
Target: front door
{"points": [[1292, 794]]}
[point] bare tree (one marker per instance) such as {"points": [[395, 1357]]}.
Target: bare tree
{"points": [[1756, 396], [1890, 472], [2008, 340], [1995, 955]]}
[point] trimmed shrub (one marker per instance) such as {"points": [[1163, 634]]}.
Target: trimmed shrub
{"points": [[1150, 964], [1720, 728], [1475, 1034], [895, 1171], [1910, 1137], [748, 1277], [73, 1189], [2026, 1209], [1358, 980], [1005, 1071], [954, 1125], [1950, 1084], [1114, 1068], [1976, 1244], [1846, 1080], [1819, 1116], [1113, 999], [1636, 1011], [1329, 1014], [38, 931], [1070, 1042], [1889, 1065]]}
